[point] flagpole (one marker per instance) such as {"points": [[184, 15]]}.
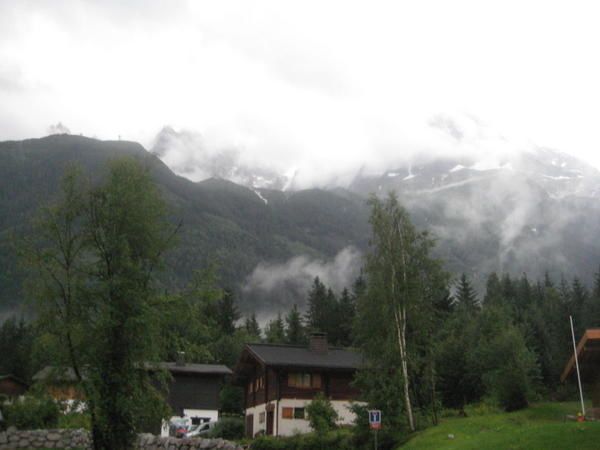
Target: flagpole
{"points": [[577, 366]]}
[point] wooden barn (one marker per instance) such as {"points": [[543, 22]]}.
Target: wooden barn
{"points": [[281, 380]]}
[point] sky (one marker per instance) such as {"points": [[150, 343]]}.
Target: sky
{"points": [[319, 86]]}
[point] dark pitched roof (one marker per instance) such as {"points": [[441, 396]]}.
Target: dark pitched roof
{"points": [[10, 376], [55, 373], [66, 374], [291, 355], [206, 369]]}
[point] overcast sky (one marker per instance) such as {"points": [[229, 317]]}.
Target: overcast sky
{"points": [[307, 84]]}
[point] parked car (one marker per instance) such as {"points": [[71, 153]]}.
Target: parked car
{"points": [[201, 430]]}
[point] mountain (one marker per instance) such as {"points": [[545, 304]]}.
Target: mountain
{"points": [[532, 211], [188, 154], [223, 222]]}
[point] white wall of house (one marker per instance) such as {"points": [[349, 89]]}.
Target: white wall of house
{"points": [[288, 427]]}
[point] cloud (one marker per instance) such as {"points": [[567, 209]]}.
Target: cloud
{"points": [[306, 86], [279, 286]]}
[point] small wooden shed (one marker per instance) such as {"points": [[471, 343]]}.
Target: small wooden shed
{"points": [[12, 386]]}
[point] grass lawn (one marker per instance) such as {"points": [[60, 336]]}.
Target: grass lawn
{"points": [[540, 427]]}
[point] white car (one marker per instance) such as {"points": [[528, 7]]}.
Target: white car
{"points": [[200, 430]]}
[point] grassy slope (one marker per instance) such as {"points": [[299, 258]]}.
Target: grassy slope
{"points": [[541, 427]]}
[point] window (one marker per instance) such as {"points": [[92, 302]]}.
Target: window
{"points": [[304, 380], [299, 413], [293, 413], [261, 417]]}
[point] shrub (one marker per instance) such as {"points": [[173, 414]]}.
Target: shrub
{"points": [[229, 428], [32, 413], [74, 420], [321, 414]]}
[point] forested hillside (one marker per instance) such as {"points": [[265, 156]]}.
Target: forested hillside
{"points": [[221, 223]]}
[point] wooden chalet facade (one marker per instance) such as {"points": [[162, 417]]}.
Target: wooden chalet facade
{"points": [[280, 381]]}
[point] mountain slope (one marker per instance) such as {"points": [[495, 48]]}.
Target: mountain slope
{"points": [[222, 222]]}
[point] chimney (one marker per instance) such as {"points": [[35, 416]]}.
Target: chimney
{"points": [[318, 342], [180, 361]]}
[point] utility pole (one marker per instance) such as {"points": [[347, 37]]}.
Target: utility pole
{"points": [[577, 366]]}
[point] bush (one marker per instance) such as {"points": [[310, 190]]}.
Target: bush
{"points": [[74, 420], [321, 414], [32, 413], [229, 428], [336, 440]]}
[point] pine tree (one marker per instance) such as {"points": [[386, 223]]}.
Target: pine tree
{"points": [[316, 314], [227, 313], [294, 331], [493, 290], [465, 296], [345, 318], [252, 327], [275, 330]]}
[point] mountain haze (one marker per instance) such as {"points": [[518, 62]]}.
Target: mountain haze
{"points": [[532, 212]]}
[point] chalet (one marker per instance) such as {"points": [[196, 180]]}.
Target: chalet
{"points": [[193, 391], [281, 380], [588, 356], [11, 386]]}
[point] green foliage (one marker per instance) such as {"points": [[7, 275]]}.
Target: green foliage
{"points": [[252, 328], [16, 341], [336, 440], [231, 399], [275, 330], [75, 420], [295, 333], [31, 413], [511, 371], [230, 428], [397, 316], [95, 255], [321, 415], [465, 296]]}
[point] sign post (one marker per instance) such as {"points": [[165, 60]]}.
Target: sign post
{"points": [[375, 422]]}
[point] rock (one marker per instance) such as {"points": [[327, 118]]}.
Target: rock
{"points": [[450, 436], [53, 436], [3, 438]]}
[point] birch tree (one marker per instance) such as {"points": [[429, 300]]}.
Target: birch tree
{"points": [[401, 281]]}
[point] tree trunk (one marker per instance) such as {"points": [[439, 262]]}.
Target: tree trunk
{"points": [[401, 334]]}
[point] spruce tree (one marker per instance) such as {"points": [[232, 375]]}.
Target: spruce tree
{"points": [[275, 331], [227, 313], [465, 296], [294, 330], [252, 327]]}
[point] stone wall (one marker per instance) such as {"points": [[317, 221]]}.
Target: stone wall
{"points": [[80, 439]]}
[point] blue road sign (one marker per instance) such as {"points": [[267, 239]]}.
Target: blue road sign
{"points": [[375, 419]]}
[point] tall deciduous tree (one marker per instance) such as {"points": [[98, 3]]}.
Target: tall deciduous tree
{"points": [[402, 282], [96, 255]]}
